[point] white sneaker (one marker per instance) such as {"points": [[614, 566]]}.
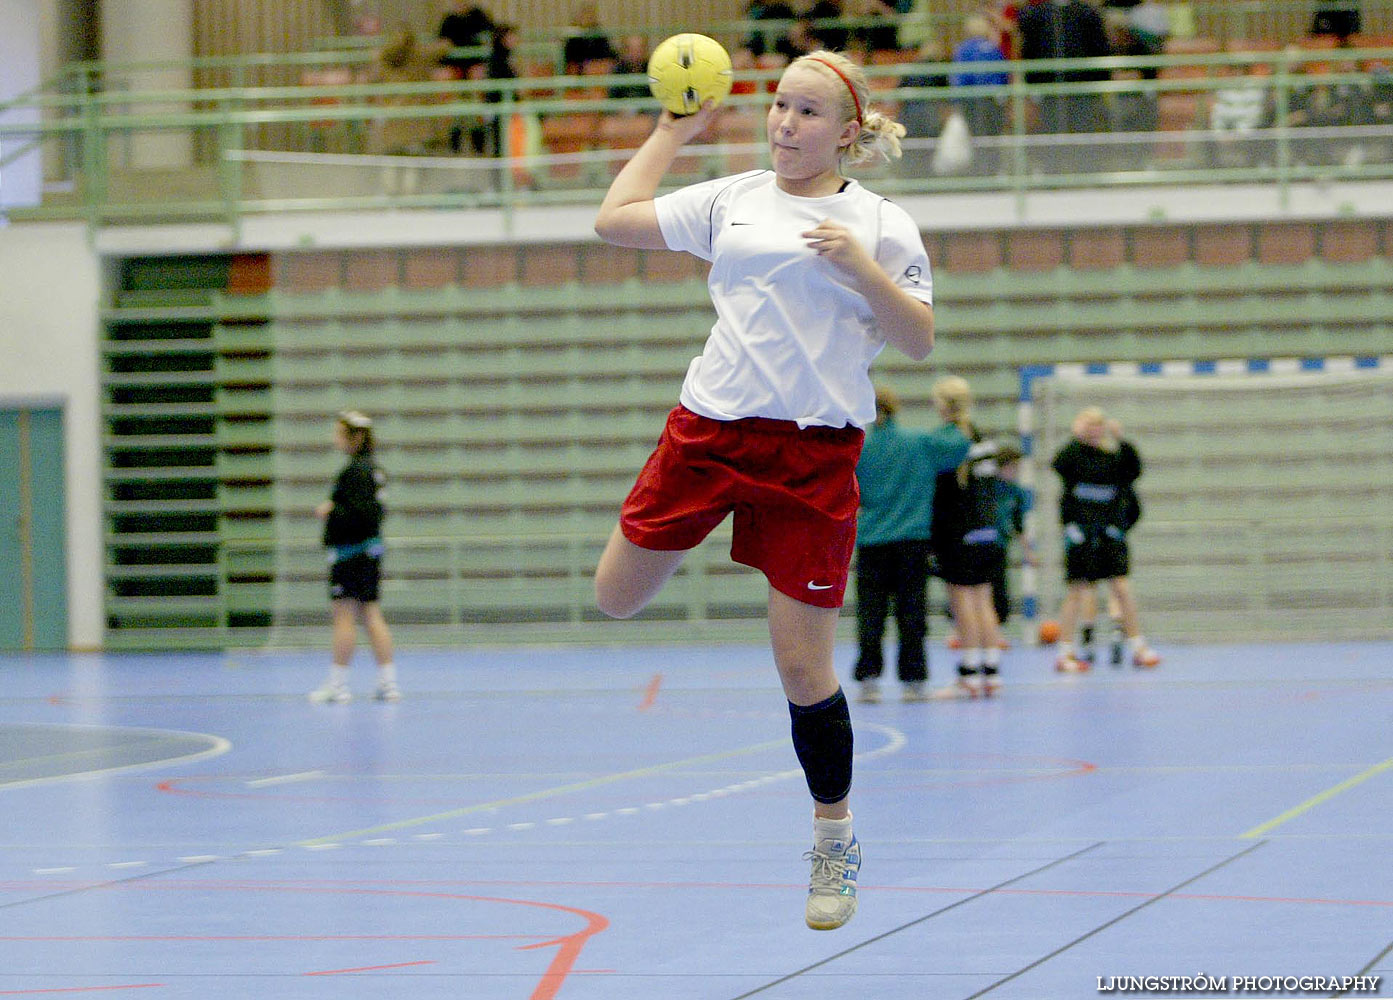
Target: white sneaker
{"points": [[331, 693], [387, 691], [832, 888], [870, 691], [915, 691]]}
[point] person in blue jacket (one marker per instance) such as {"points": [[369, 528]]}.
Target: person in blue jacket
{"points": [[897, 471]]}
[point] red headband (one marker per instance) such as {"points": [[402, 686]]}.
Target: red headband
{"points": [[854, 99]]}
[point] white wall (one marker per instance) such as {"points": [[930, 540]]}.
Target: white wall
{"points": [[49, 297], [20, 181]]}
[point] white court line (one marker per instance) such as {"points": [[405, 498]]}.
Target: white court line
{"points": [[217, 747], [284, 779]]}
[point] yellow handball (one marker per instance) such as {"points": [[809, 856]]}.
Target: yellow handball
{"points": [[685, 71]]}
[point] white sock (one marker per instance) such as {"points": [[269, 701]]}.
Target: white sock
{"points": [[972, 658], [338, 674], [1136, 643], [386, 673], [1066, 649], [831, 829], [992, 657]]}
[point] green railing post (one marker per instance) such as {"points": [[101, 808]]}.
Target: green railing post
{"points": [[229, 169], [1282, 101], [94, 166], [1020, 162], [505, 154]]}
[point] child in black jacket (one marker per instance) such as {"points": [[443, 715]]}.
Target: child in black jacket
{"points": [[353, 535], [1097, 469]]}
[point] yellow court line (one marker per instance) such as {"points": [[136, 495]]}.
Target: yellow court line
{"points": [[545, 793], [1316, 800]]}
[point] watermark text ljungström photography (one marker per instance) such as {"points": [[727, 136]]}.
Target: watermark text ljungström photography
{"points": [[1238, 986]]}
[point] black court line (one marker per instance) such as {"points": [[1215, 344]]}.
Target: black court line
{"points": [[1115, 920], [919, 920], [1373, 964]]}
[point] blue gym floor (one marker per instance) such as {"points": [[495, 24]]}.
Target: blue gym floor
{"points": [[616, 823]]}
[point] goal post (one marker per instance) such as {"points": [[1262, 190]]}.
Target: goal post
{"points": [[1267, 493]]}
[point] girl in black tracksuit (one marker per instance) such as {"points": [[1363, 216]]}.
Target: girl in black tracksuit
{"points": [[353, 535], [967, 543], [1097, 503], [969, 548]]}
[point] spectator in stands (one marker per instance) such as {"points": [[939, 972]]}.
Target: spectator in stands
{"points": [[1316, 101], [1150, 24], [802, 38], [1097, 469], [923, 116], [1139, 30], [465, 26], [881, 33], [633, 60], [1239, 111], [897, 473], [762, 41], [833, 37], [1340, 18], [1377, 108], [503, 40], [1004, 18], [402, 60], [587, 44], [769, 426], [985, 113], [1067, 29], [352, 519]]}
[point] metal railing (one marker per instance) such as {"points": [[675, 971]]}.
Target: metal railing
{"points": [[222, 153]]}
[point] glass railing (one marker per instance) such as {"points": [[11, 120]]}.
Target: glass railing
{"points": [[127, 146]]}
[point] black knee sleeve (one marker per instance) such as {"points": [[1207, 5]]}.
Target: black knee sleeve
{"points": [[823, 742]]}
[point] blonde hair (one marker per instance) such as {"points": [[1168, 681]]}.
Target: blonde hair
{"points": [[878, 138], [1093, 415], [953, 397], [977, 26], [886, 401], [1088, 415]]}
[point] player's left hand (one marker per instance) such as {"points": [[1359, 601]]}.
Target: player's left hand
{"points": [[835, 242]]}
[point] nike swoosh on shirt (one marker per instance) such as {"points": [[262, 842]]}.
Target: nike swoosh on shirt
{"points": [[819, 586]]}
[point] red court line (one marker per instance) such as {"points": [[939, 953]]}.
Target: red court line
{"points": [[249, 938], [368, 968], [400, 887], [568, 946], [650, 694]]}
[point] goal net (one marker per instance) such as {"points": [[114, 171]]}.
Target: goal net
{"points": [[1267, 493]]}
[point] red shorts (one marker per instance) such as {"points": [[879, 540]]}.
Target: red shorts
{"points": [[793, 493]]}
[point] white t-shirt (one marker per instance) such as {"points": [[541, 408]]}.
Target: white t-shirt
{"points": [[793, 340]]}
